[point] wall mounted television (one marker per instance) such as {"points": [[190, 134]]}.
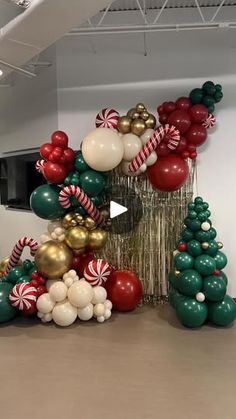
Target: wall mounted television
{"points": [[18, 179]]}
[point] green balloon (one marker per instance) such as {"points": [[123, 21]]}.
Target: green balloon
{"points": [[212, 249], [7, 311], [80, 210], [14, 274], [211, 108], [187, 235], [28, 265], [209, 88], [44, 202], [208, 100], [191, 206], [80, 163], [173, 280], [214, 288], [198, 200], [208, 83], [193, 225], [24, 278], [175, 297], [220, 259], [191, 313], [223, 277], [205, 206], [212, 233], [222, 313], [218, 96], [205, 265], [198, 208], [92, 182], [202, 236], [202, 216], [196, 96], [97, 200], [192, 214], [194, 248], [218, 87], [189, 282], [183, 261]]}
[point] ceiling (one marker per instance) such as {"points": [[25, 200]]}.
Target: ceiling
{"points": [[121, 5]]}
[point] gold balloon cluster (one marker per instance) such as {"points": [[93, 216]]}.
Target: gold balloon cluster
{"points": [[4, 263], [137, 120]]}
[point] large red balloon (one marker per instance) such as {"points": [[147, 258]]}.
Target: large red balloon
{"points": [[124, 289], [197, 134], [80, 262], [45, 150], [54, 173], [183, 103], [59, 139], [198, 113], [180, 119], [168, 173]]}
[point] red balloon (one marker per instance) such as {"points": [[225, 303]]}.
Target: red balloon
{"points": [[45, 150], [197, 134], [69, 155], [168, 173], [55, 155], [124, 289], [181, 146], [54, 173], [180, 119], [162, 150], [30, 311], [169, 107], [160, 109], [59, 139], [41, 290], [80, 262], [198, 113], [163, 118], [183, 103], [191, 147]]}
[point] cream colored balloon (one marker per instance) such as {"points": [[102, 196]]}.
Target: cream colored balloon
{"points": [[147, 135], [125, 169], [108, 304], [99, 310], [50, 282], [64, 314], [58, 291], [132, 145], [102, 149], [53, 224], [151, 159], [99, 295], [80, 294], [85, 313], [107, 314], [45, 303]]}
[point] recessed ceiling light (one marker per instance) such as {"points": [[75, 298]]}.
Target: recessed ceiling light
{"points": [[1, 72]]}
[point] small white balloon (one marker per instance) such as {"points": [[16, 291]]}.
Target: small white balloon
{"points": [[53, 224], [50, 282], [59, 231], [85, 313], [40, 315], [80, 294], [205, 226], [48, 317], [44, 238], [99, 310], [99, 295], [151, 159], [72, 273], [200, 297], [101, 319], [175, 252], [68, 282], [107, 314], [53, 236], [146, 135], [61, 238], [64, 314], [132, 145], [45, 303], [108, 304], [143, 168], [125, 168], [58, 291]]}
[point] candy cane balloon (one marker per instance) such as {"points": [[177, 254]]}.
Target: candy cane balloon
{"points": [[159, 134], [107, 118], [83, 199], [18, 249], [39, 165]]}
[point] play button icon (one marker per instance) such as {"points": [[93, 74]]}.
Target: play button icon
{"points": [[116, 209]]}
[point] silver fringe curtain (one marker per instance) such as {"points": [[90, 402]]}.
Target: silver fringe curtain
{"points": [[148, 248]]}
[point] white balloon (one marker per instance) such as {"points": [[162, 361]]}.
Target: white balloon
{"points": [[85, 313], [99, 310], [48, 317], [68, 282], [107, 314], [200, 297], [132, 145], [53, 236], [58, 291], [99, 295], [53, 224], [151, 159], [45, 237], [102, 149], [64, 314], [143, 168], [80, 294], [61, 238], [205, 226], [59, 230], [101, 319], [146, 135], [40, 315], [125, 169], [50, 282], [108, 304], [45, 304]]}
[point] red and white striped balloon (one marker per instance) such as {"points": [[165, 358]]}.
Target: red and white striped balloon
{"points": [[107, 118], [210, 121], [23, 296], [18, 249], [97, 272], [39, 165]]}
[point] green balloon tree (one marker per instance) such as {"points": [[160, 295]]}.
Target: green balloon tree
{"points": [[198, 284]]}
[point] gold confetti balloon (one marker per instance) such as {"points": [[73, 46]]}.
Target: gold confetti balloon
{"points": [[77, 237], [53, 259], [123, 125], [151, 121], [97, 238], [138, 126]]}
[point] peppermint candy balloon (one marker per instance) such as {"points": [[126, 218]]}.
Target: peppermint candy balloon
{"points": [[97, 272], [107, 118], [23, 296]]}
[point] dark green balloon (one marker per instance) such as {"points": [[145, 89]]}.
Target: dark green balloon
{"points": [[80, 210], [209, 88], [80, 163], [97, 200], [175, 297], [205, 265], [208, 100], [223, 277], [212, 233], [28, 265], [212, 249], [196, 96], [173, 280], [189, 282], [187, 235], [218, 96], [193, 225], [191, 313], [92, 182], [202, 216], [218, 87], [7, 311], [24, 278], [214, 288], [202, 236], [198, 200], [44, 202], [207, 85], [198, 208], [205, 206], [183, 261], [194, 248], [211, 108], [191, 206], [192, 215], [208, 213], [222, 313], [14, 274], [221, 260]]}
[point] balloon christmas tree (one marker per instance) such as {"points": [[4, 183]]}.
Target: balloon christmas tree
{"points": [[198, 284]]}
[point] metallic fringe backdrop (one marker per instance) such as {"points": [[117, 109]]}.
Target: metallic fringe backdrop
{"points": [[148, 248]]}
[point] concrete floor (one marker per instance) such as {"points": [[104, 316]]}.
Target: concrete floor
{"points": [[141, 365]]}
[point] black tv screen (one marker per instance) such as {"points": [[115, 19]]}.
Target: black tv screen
{"points": [[18, 179]]}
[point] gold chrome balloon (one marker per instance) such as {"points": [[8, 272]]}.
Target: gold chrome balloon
{"points": [[135, 115], [53, 259], [89, 223], [151, 121], [138, 126], [66, 221], [144, 115], [131, 112], [73, 223], [177, 273], [205, 245], [97, 238], [140, 107], [78, 252], [79, 218], [105, 212], [220, 245], [123, 124], [77, 237]]}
